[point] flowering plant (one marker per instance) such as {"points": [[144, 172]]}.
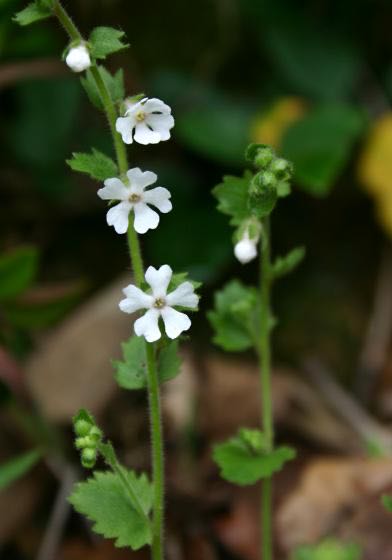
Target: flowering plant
{"points": [[123, 505]]}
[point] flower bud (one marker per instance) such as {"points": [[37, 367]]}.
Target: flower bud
{"points": [[260, 155], [89, 457], [82, 428], [246, 249], [282, 169], [78, 58]]}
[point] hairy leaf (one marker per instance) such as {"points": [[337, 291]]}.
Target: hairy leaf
{"points": [[131, 373], [16, 468], [243, 464], [17, 271], [97, 165], [32, 13], [330, 549], [114, 83], [103, 500], [105, 41], [284, 265], [232, 196], [234, 317]]}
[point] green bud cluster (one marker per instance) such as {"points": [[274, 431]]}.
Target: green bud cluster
{"points": [[88, 436], [271, 180]]}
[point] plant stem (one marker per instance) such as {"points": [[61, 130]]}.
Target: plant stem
{"points": [[157, 450], [138, 270], [265, 384]]}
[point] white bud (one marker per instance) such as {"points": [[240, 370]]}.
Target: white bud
{"points": [[246, 250], [78, 58]]}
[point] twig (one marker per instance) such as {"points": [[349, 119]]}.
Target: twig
{"points": [[58, 517], [368, 428], [378, 336]]}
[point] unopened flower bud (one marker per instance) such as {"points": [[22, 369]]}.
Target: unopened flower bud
{"points": [[260, 155], [82, 428], [89, 457], [246, 249], [78, 58], [282, 169]]}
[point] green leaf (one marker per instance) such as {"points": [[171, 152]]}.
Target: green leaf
{"points": [[102, 499], [245, 464], [180, 277], [387, 502], [30, 314], [18, 467], [285, 265], [105, 41], [131, 373], [263, 194], [320, 144], [31, 14], [234, 317], [17, 271], [97, 165], [220, 131], [114, 83], [232, 196], [330, 549], [322, 65]]}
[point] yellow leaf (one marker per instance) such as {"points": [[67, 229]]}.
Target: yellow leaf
{"points": [[270, 127], [375, 169]]}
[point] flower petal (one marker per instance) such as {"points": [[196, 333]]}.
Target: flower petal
{"points": [[159, 197], [125, 126], [144, 135], [118, 216], [141, 179], [114, 189], [135, 299], [184, 295], [156, 105], [134, 107], [161, 124], [147, 326], [175, 322], [159, 280], [145, 218]]}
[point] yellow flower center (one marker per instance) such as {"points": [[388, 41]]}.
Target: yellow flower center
{"points": [[159, 303], [134, 198], [140, 116]]}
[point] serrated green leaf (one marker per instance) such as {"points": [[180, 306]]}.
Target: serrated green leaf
{"points": [[232, 196], [234, 317], [320, 144], [17, 271], [31, 14], [84, 415], [102, 499], [330, 549], [242, 465], [97, 165], [114, 83], [18, 467], [387, 502], [285, 265], [105, 41], [131, 373]]}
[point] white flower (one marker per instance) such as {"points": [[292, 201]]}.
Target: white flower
{"points": [[78, 58], [159, 304], [147, 121], [246, 249], [133, 196]]}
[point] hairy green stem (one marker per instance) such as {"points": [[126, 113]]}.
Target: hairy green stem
{"points": [[157, 450], [138, 270], [265, 384]]}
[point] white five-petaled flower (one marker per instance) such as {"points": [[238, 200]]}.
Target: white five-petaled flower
{"points": [[78, 58], [246, 249], [159, 304], [133, 196], [147, 121]]}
